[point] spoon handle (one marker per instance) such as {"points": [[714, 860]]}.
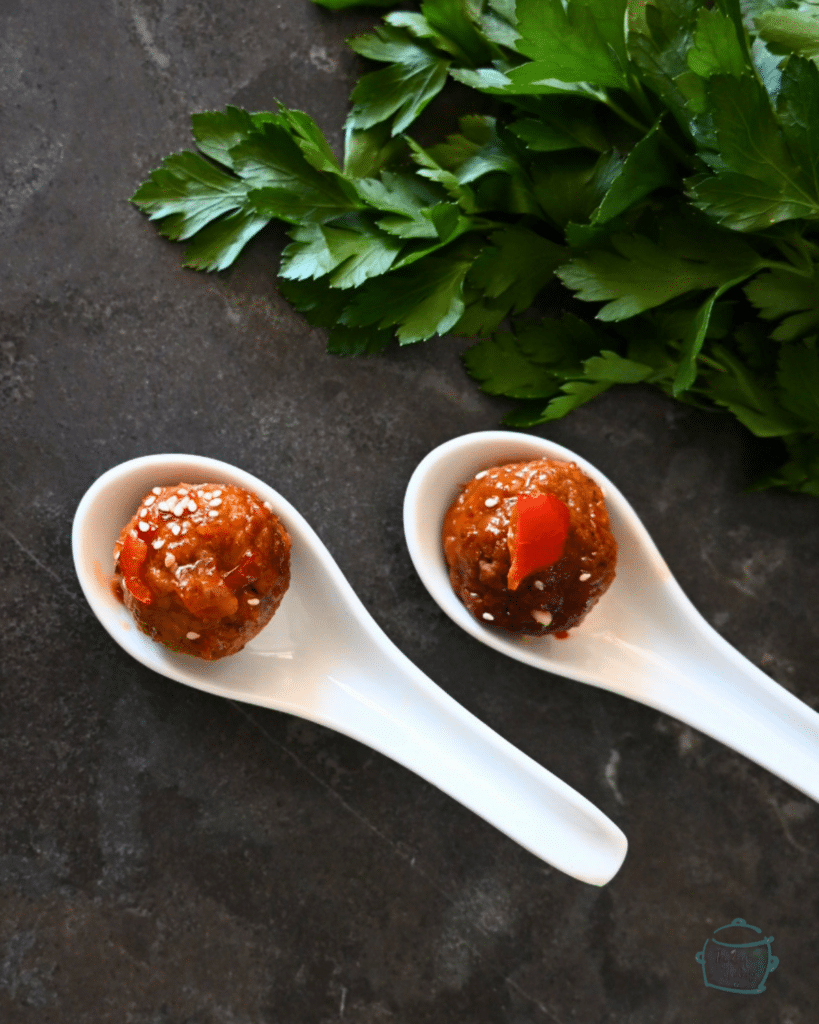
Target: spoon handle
{"points": [[391, 706], [689, 671]]}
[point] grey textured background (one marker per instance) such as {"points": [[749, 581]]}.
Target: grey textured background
{"points": [[170, 858]]}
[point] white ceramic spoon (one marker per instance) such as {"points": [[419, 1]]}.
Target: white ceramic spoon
{"points": [[644, 640], [323, 658]]}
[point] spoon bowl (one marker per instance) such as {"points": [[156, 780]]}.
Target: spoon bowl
{"points": [[644, 639], [323, 658]]}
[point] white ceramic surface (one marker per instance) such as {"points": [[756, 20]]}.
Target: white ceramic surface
{"points": [[644, 640], [323, 658]]}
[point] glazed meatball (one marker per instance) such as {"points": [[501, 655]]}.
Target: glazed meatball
{"points": [[479, 530], [202, 567]]}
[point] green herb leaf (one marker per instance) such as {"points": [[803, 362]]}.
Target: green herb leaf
{"points": [[503, 369], [694, 337], [748, 397], [216, 246], [499, 23], [452, 25], [797, 106], [717, 49], [217, 132], [419, 301], [571, 186], [798, 379], [186, 193], [781, 294], [641, 274], [506, 277], [656, 156], [789, 30], [350, 254], [757, 182], [583, 41], [646, 168], [371, 150], [415, 75], [476, 151], [800, 472]]}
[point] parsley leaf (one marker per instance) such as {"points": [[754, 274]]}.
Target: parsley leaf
{"points": [[654, 163], [646, 168], [419, 301], [757, 183], [187, 193], [579, 42], [787, 296], [415, 74], [350, 254], [217, 245], [641, 273], [790, 30], [506, 277]]}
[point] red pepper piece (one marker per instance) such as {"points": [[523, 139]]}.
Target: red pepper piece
{"points": [[246, 572], [131, 559], [537, 535]]}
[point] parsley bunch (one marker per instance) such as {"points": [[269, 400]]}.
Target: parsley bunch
{"points": [[649, 171]]}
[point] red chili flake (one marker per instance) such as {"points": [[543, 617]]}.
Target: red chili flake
{"points": [[246, 572], [538, 529]]}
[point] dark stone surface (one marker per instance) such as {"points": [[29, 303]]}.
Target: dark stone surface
{"points": [[167, 857]]}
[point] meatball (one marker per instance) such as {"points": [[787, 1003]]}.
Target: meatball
{"points": [[480, 525], [202, 567]]}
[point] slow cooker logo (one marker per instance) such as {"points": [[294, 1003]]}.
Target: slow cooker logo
{"points": [[740, 960]]}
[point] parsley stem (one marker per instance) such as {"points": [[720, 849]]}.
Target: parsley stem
{"points": [[674, 148], [615, 108], [708, 361], [640, 98], [789, 268]]}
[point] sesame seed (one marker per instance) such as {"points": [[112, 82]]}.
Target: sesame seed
{"points": [[206, 495], [213, 513], [268, 506], [175, 529], [488, 616], [169, 560], [214, 502], [216, 494], [144, 527], [156, 490], [191, 505], [149, 500], [539, 584], [179, 508], [192, 635], [143, 512], [182, 491], [163, 506], [158, 543], [253, 601], [491, 502], [544, 618], [585, 576], [482, 474]]}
